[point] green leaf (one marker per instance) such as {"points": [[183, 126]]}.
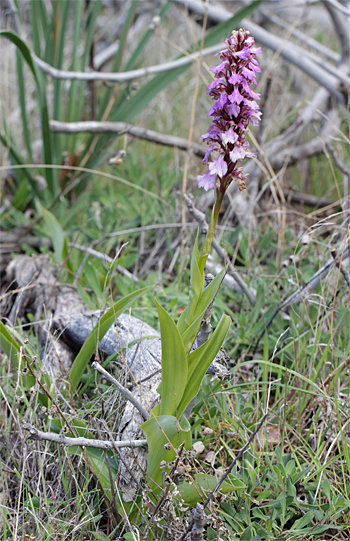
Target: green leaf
{"points": [[246, 535], [41, 95], [327, 489], [22, 103], [54, 230], [190, 495], [174, 365], [98, 333], [155, 430], [128, 110], [303, 521], [9, 345], [200, 359], [192, 325]]}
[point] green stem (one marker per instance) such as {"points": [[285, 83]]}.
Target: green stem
{"points": [[210, 235]]}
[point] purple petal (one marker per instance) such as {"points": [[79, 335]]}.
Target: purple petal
{"points": [[244, 53], [235, 97], [254, 67], [207, 153], [248, 74], [238, 153], [235, 78], [249, 41], [218, 167], [206, 181], [220, 67], [213, 85], [256, 50], [252, 94], [251, 104], [232, 109], [229, 136]]}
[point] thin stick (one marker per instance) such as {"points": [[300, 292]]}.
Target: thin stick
{"points": [[106, 445], [127, 75], [121, 128], [124, 392]]}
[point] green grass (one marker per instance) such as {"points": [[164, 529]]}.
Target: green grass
{"points": [[296, 473]]}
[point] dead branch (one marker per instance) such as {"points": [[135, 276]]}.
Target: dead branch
{"points": [[124, 392], [103, 257], [121, 128], [126, 75], [61, 439], [339, 264]]}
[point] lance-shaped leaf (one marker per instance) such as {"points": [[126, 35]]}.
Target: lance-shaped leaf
{"points": [[199, 361], [190, 495], [174, 365], [208, 294], [160, 431], [98, 333]]}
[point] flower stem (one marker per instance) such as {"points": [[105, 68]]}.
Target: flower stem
{"points": [[210, 235]]}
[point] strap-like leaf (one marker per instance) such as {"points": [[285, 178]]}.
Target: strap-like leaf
{"points": [[174, 365], [176, 433], [98, 333], [200, 359]]}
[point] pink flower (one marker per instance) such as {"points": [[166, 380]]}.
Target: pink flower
{"points": [[234, 108]]}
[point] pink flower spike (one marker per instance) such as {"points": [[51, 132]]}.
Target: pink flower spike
{"points": [[233, 109]]}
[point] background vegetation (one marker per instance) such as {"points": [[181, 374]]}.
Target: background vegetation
{"points": [[106, 191]]}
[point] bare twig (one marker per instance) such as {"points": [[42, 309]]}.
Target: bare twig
{"points": [[103, 257], [124, 392], [121, 128], [339, 264], [35, 434], [338, 6], [226, 474], [314, 44], [126, 75], [345, 170], [198, 523]]}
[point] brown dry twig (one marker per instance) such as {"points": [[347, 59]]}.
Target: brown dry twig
{"points": [[124, 392], [339, 264], [61, 439]]}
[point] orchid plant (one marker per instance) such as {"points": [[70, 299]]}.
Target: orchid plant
{"points": [[184, 367]]}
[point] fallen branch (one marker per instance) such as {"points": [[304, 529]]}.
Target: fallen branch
{"points": [[124, 392], [120, 128], [106, 445], [339, 264], [126, 75], [103, 257]]}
